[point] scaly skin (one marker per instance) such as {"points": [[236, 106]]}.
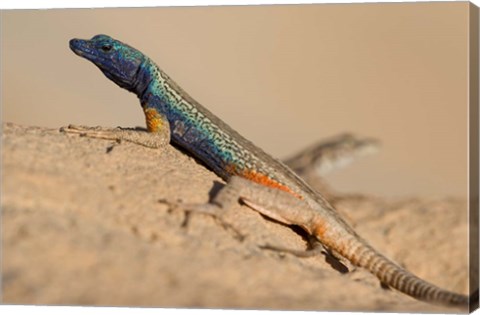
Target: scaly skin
{"points": [[228, 154]]}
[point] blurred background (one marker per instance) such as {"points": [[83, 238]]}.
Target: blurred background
{"points": [[283, 76]]}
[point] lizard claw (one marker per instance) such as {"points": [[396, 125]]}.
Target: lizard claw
{"points": [[93, 132], [209, 209], [314, 251]]}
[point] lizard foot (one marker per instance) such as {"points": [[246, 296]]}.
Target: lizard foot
{"points": [[209, 209], [315, 248], [92, 132], [137, 135]]}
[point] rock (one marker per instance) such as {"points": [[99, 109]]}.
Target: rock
{"points": [[85, 223]]}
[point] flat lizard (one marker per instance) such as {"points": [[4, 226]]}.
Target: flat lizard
{"points": [[330, 154], [258, 180]]}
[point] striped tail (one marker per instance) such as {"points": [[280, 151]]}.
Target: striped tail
{"points": [[363, 255]]}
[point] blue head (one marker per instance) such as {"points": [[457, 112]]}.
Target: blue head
{"points": [[121, 63]]}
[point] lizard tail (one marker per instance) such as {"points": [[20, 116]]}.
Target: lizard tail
{"points": [[363, 255]]}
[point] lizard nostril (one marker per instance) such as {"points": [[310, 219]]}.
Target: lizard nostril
{"points": [[74, 42]]}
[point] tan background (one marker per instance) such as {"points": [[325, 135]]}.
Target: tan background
{"points": [[284, 76]]}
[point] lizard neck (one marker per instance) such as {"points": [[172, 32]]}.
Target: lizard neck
{"points": [[143, 78]]}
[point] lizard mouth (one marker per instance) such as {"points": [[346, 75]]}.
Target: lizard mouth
{"points": [[81, 48]]}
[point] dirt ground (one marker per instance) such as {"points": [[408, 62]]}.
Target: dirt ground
{"points": [[83, 223]]}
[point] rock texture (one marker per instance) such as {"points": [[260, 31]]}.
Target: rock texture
{"points": [[84, 224]]}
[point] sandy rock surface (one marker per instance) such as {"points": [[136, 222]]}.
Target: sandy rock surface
{"points": [[84, 224]]}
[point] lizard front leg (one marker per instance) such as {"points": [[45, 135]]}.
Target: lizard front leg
{"points": [[157, 134]]}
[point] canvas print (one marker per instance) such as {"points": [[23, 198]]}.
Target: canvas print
{"points": [[284, 157]]}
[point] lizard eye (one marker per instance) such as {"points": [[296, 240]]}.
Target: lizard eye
{"points": [[106, 47]]}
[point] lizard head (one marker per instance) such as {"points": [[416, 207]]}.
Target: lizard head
{"points": [[118, 61]]}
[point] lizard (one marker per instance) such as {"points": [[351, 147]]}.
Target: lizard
{"points": [[253, 177], [321, 158]]}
